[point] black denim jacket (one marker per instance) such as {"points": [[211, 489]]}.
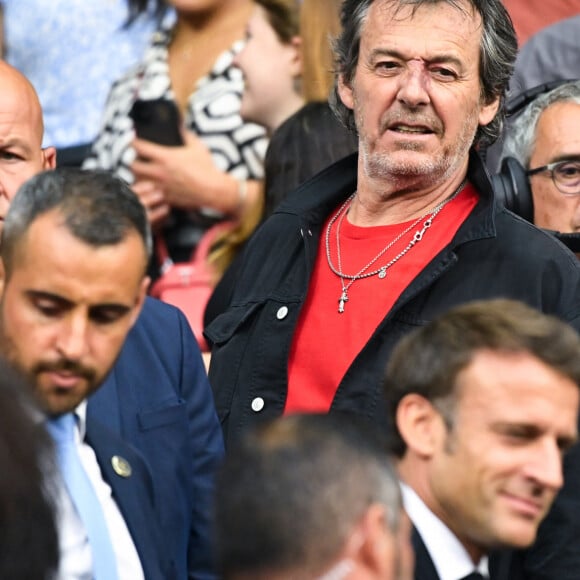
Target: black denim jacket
{"points": [[493, 254]]}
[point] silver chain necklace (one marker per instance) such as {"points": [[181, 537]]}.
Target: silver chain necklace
{"points": [[382, 271]]}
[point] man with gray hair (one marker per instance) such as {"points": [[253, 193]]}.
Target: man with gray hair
{"points": [[545, 139], [483, 404], [311, 497], [380, 243]]}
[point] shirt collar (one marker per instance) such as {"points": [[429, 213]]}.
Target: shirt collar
{"points": [[450, 558], [81, 417]]}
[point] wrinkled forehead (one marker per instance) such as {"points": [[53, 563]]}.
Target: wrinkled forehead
{"points": [[429, 32], [440, 12], [408, 8]]}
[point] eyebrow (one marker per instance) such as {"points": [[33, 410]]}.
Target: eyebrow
{"points": [[447, 58], [533, 430], [42, 295], [15, 142], [565, 157], [65, 303]]}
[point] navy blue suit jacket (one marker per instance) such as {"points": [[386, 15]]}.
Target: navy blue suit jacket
{"points": [[502, 565], [424, 567], [157, 397], [135, 497]]}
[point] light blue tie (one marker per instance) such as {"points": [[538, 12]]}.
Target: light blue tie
{"points": [[84, 497]]}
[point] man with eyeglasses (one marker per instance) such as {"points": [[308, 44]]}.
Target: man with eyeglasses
{"points": [[545, 139]]}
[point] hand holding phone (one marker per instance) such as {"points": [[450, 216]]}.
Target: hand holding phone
{"points": [[157, 120]]}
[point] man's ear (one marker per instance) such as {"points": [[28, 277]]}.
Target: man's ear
{"points": [[296, 58], [372, 545], [48, 158], [488, 112], [419, 424], [345, 92]]}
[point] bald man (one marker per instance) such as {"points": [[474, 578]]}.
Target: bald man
{"points": [[21, 131], [157, 396]]}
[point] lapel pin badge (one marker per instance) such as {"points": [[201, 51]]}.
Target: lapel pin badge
{"points": [[121, 466]]}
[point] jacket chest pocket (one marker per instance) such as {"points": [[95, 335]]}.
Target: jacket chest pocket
{"points": [[229, 336]]}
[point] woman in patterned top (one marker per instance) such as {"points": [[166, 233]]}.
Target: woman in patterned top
{"points": [[216, 174]]}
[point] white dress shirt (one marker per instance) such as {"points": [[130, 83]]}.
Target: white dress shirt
{"points": [[75, 551], [449, 557]]}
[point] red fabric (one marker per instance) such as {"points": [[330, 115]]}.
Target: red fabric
{"points": [[325, 342], [189, 285]]}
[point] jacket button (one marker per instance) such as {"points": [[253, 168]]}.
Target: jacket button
{"points": [[257, 404], [282, 312]]}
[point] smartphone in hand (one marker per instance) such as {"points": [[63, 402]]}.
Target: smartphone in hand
{"points": [[157, 120]]}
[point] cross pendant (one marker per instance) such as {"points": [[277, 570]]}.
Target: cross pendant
{"points": [[341, 301]]}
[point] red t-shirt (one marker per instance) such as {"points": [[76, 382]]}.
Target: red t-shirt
{"points": [[325, 341]]}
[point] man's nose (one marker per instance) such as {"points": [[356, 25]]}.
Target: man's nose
{"points": [[414, 85], [72, 341], [545, 467]]}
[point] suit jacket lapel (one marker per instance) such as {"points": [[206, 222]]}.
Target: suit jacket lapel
{"points": [[424, 567], [134, 494], [505, 565], [104, 403]]}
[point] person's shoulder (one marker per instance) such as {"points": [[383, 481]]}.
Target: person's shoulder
{"points": [[309, 111], [122, 92], [534, 244], [161, 340], [154, 53], [315, 120], [556, 43], [154, 309], [507, 220], [566, 27], [157, 322]]}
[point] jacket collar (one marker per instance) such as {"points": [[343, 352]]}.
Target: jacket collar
{"points": [[317, 198]]}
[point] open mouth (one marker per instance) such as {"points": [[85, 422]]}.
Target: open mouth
{"points": [[411, 129]]}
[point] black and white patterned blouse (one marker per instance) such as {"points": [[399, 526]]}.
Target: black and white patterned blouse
{"points": [[213, 113]]}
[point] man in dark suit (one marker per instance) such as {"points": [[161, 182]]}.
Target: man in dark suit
{"points": [[157, 396], [75, 247], [483, 404]]}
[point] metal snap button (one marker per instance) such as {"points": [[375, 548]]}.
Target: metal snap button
{"points": [[257, 404], [282, 312]]}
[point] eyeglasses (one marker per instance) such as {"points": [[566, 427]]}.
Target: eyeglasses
{"points": [[565, 175]]}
